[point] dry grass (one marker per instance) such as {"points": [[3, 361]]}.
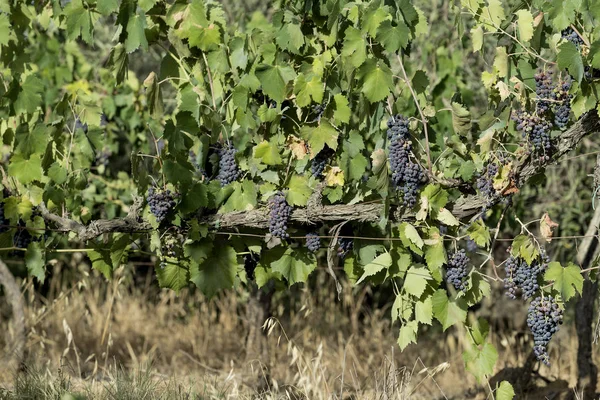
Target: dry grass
{"points": [[117, 340]]}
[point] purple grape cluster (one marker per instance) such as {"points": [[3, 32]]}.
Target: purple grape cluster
{"points": [[562, 105], [485, 183], [318, 110], [313, 241], [472, 246], [456, 271], [522, 276], [279, 214], [22, 237], [228, 168], [344, 246], [406, 175], [572, 36], [320, 161], [536, 130], [544, 89], [161, 203], [543, 319]]}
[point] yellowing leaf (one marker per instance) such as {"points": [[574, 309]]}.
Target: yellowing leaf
{"points": [[297, 146], [334, 176], [547, 227], [525, 24], [446, 217]]}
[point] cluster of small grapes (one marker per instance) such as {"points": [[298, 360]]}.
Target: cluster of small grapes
{"points": [[536, 130], [485, 183], [590, 73], [520, 275], [250, 263], [228, 169], [22, 237], [544, 89], [456, 271], [562, 106], [318, 110], [543, 319], [199, 169], [172, 241], [572, 36], [279, 214], [320, 161], [405, 174], [102, 158], [161, 203], [345, 245], [472, 246], [313, 241]]}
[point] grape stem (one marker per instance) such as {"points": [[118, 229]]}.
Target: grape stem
{"points": [[414, 95]]}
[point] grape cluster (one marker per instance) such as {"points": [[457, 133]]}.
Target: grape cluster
{"points": [[406, 175], [279, 214], [318, 110], [313, 241], [472, 245], [22, 237], [543, 319], [520, 275], [345, 245], [228, 169], [250, 263], [591, 73], [320, 161], [536, 130], [161, 203], [485, 183], [172, 241], [562, 107], [103, 157], [456, 272], [544, 89], [80, 125], [572, 36]]}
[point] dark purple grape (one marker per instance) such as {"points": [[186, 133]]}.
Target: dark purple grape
{"points": [[456, 271], [544, 317], [228, 168], [279, 214], [313, 241]]}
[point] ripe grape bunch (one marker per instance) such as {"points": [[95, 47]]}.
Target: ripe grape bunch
{"points": [[313, 241], [520, 275], [485, 183], [320, 161], [456, 272], [544, 89], [536, 130], [543, 319], [318, 110], [228, 169], [250, 263], [405, 174], [345, 245], [161, 203], [572, 36], [279, 214], [22, 237], [562, 106]]}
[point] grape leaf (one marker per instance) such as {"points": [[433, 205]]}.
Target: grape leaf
{"points": [[35, 261], [290, 37], [480, 360], [393, 37], [355, 46], [447, 311], [377, 82], [424, 311], [215, 273], [567, 281], [79, 21], [307, 90], [569, 57], [381, 262], [505, 391], [25, 170], [196, 27], [525, 24], [294, 265], [30, 96], [408, 334], [267, 152], [342, 112], [318, 137], [416, 280], [274, 80], [299, 191]]}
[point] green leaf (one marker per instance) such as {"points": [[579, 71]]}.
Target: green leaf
{"points": [[416, 280], [567, 281], [319, 136], [217, 272], [268, 153], [6, 32], [79, 21], [523, 246], [355, 46], [299, 191], [274, 80], [461, 119], [381, 262], [493, 15], [408, 334], [155, 103], [30, 96], [424, 311], [447, 311], [342, 112], [480, 361], [393, 38], [107, 7], [35, 261], [136, 36], [477, 38], [413, 235], [118, 60], [525, 24], [173, 275], [377, 82], [307, 90], [196, 27], [101, 262], [26, 171], [569, 57], [294, 265], [446, 217], [290, 37], [243, 198], [505, 391], [420, 81], [480, 233]]}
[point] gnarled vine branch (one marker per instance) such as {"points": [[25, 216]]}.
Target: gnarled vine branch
{"points": [[465, 207]]}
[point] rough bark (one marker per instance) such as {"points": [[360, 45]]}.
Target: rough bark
{"points": [[13, 353], [468, 205]]}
